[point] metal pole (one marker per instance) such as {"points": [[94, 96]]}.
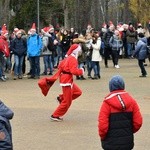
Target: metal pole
{"points": [[38, 17]]}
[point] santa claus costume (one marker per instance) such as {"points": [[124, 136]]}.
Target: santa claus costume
{"points": [[66, 69]]}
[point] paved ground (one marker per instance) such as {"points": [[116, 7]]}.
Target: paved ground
{"points": [[32, 129]]}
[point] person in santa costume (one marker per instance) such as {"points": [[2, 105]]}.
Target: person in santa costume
{"points": [[66, 69]]}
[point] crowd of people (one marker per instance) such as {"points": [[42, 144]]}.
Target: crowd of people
{"points": [[119, 116], [110, 42]]}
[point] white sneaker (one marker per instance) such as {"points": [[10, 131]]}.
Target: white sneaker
{"points": [[57, 119], [117, 66]]}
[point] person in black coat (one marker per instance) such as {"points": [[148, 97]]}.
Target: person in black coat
{"points": [[19, 48]]}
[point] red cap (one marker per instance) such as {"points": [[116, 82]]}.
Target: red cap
{"points": [[33, 27], [73, 48]]}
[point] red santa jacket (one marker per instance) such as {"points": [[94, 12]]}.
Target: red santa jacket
{"points": [[69, 67], [4, 48], [118, 105]]}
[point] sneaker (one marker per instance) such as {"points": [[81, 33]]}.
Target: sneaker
{"points": [[82, 78], [15, 77], [44, 73], [142, 76], [5, 77], [20, 77], [2, 79], [31, 77], [57, 119], [50, 73], [117, 66]]}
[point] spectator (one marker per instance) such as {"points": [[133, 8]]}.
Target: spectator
{"points": [[4, 51], [96, 57], [119, 117], [19, 49], [107, 51], [131, 35], [34, 46], [46, 53], [141, 53], [116, 44]]}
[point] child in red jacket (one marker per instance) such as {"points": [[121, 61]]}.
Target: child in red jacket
{"points": [[119, 117]]}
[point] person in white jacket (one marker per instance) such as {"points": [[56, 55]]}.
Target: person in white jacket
{"points": [[96, 57]]}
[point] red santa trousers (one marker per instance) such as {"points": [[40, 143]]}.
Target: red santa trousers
{"points": [[69, 94]]}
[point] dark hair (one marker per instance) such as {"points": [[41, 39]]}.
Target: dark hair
{"points": [[141, 35]]}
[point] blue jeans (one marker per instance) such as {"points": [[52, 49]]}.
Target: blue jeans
{"points": [[96, 68], [89, 66], [18, 65], [48, 63], [130, 47], [35, 66]]}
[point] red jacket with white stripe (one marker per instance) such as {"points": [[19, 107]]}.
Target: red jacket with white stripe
{"points": [[69, 67], [119, 118]]}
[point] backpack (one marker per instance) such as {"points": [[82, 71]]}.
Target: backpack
{"points": [[50, 45]]}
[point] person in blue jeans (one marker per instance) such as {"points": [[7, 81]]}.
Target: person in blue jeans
{"points": [[19, 48], [46, 53], [34, 46]]}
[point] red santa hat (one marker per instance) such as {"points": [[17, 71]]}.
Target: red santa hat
{"points": [[45, 29], [74, 48], [4, 30], [33, 27], [51, 28]]}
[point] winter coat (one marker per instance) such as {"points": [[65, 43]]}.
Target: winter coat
{"points": [[141, 49], [19, 46], [131, 36], [106, 38], [5, 127], [4, 48], [65, 42], [119, 118], [34, 45], [115, 43], [96, 50]]}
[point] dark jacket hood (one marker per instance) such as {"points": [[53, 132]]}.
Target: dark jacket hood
{"points": [[5, 111], [116, 83]]}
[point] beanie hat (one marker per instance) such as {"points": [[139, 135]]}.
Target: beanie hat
{"points": [[116, 83], [75, 48], [33, 27]]}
